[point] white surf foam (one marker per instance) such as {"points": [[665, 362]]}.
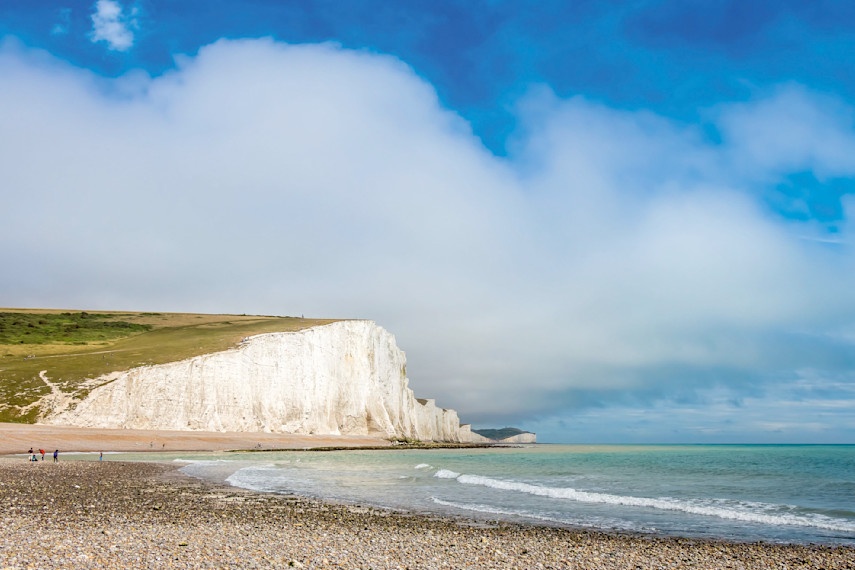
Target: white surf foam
{"points": [[493, 510], [264, 478], [216, 469], [745, 512], [446, 474]]}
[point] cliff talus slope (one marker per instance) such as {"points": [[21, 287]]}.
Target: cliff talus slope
{"points": [[348, 377]]}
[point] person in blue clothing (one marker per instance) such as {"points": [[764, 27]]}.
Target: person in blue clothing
{"points": [[56, 456]]}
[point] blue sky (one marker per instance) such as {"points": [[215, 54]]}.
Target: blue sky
{"points": [[603, 221]]}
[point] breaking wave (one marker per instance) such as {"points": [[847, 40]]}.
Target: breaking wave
{"points": [[734, 510], [446, 474]]}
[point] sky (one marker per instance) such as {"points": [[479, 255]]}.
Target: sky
{"points": [[605, 222]]}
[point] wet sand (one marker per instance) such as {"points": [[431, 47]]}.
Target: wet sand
{"points": [[90, 514], [19, 438]]}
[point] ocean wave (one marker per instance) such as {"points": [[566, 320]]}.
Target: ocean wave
{"points": [[264, 478], [422, 466], [446, 474], [493, 510], [202, 461], [744, 512]]}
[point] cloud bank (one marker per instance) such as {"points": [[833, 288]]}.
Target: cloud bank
{"points": [[613, 257]]}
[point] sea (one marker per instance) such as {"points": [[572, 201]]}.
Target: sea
{"points": [[773, 493]]}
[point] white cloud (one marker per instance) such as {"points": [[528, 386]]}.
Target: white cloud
{"points": [[613, 255], [793, 130], [111, 25]]}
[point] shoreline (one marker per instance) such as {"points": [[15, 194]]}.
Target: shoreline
{"points": [[89, 514], [18, 438]]}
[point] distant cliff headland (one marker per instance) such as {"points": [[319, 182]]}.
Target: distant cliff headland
{"points": [[213, 373], [503, 435]]}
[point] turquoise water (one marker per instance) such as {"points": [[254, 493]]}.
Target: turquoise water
{"points": [[738, 492]]}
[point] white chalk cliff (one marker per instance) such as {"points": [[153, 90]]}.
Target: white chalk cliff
{"points": [[346, 378]]}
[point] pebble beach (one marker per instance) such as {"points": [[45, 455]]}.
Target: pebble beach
{"points": [[90, 514]]}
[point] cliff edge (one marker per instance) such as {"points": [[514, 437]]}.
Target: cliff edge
{"points": [[344, 378]]}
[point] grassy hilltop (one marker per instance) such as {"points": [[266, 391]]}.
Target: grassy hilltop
{"points": [[74, 348]]}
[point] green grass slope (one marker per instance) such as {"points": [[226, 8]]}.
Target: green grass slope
{"points": [[499, 434], [75, 348]]}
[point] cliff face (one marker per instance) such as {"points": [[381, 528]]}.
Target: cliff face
{"points": [[478, 438], [347, 377], [521, 438]]}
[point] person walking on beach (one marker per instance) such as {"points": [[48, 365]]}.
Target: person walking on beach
{"points": [[42, 451], [101, 456], [56, 456]]}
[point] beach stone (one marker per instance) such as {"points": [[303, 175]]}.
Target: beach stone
{"points": [[213, 526]]}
